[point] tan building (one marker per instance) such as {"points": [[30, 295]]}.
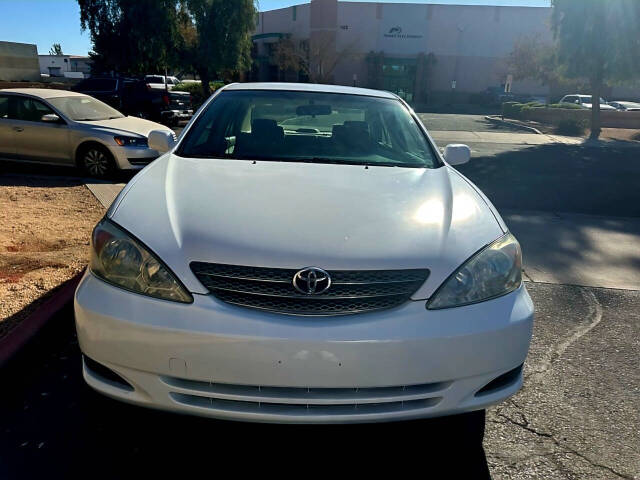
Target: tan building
{"points": [[19, 62], [415, 50]]}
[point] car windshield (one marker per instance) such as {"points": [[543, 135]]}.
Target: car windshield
{"points": [[587, 99], [81, 108], [310, 127]]}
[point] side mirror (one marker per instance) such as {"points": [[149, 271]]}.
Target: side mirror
{"points": [[457, 154], [161, 140], [50, 118]]}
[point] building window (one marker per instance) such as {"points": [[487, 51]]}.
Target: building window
{"points": [[378, 11], [295, 13]]}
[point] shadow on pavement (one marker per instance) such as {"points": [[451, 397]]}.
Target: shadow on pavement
{"points": [[561, 178], [55, 426], [574, 209]]}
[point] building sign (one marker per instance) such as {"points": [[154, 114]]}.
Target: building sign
{"points": [[402, 31], [396, 32]]}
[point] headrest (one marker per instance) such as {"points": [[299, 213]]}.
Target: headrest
{"points": [[264, 127]]}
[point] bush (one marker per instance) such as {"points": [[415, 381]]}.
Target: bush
{"points": [[572, 127], [569, 106], [512, 109], [195, 89]]}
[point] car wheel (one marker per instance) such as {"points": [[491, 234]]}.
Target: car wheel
{"points": [[97, 161]]}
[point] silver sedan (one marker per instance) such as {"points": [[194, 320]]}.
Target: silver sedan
{"points": [[67, 128]]}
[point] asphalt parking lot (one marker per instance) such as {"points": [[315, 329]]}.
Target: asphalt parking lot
{"points": [[577, 417]]}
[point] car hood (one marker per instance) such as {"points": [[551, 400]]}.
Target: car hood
{"points": [[126, 125], [602, 106], [294, 215]]}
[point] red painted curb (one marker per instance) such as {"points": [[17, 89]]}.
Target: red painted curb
{"points": [[20, 335]]}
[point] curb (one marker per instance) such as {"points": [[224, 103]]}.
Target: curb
{"points": [[20, 335], [498, 120]]}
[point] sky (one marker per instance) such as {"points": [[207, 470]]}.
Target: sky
{"points": [[45, 22]]}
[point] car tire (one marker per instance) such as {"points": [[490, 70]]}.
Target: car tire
{"points": [[96, 161]]}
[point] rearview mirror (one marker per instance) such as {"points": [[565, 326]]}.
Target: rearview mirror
{"points": [[50, 118], [161, 140], [313, 110], [457, 154]]}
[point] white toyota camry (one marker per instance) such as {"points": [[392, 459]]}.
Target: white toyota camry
{"points": [[304, 253]]}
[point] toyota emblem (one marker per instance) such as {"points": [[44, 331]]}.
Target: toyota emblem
{"points": [[311, 281]]}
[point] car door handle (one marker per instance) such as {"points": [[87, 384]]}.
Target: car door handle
{"points": [[18, 129]]}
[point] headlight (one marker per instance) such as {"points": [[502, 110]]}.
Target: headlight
{"points": [[131, 141], [494, 271], [120, 259]]}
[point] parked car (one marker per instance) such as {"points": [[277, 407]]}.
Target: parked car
{"points": [[304, 253], [69, 128], [584, 101], [625, 106], [137, 98], [158, 81]]}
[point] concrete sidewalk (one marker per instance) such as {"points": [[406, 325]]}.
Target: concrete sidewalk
{"points": [[442, 137], [105, 192]]}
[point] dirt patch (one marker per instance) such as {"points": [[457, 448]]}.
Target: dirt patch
{"points": [[45, 224]]}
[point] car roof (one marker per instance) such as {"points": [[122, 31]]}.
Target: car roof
{"points": [[42, 92], [310, 87]]}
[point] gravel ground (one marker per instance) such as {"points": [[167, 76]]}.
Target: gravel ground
{"points": [[45, 223]]}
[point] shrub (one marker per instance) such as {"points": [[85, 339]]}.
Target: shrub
{"points": [[512, 109], [569, 106], [571, 127], [195, 89]]}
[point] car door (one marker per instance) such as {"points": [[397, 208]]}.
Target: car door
{"points": [[7, 148], [35, 140]]}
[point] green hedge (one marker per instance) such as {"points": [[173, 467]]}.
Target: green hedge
{"points": [[571, 127], [519, 110], [569, 106], [195, 89]]}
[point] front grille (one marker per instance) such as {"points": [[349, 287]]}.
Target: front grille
{"points": [[304, 401], [351, 291]]}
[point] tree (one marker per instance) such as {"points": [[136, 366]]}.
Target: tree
{"points": [[131, 36], [599, 41], [216, 36], [317, 58], [531, 58], [55, 49]]}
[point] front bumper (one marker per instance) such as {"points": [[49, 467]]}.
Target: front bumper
{"points": [[213, 359], [176, 114], [133, 158]]}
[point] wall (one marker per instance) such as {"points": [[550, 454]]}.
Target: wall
{"points": [[65, 63], [471, 43], [18, 62]]}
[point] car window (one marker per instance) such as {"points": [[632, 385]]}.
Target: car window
{"points": [[154, 79], [4, 106], [309, 127], [30, 110]]}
